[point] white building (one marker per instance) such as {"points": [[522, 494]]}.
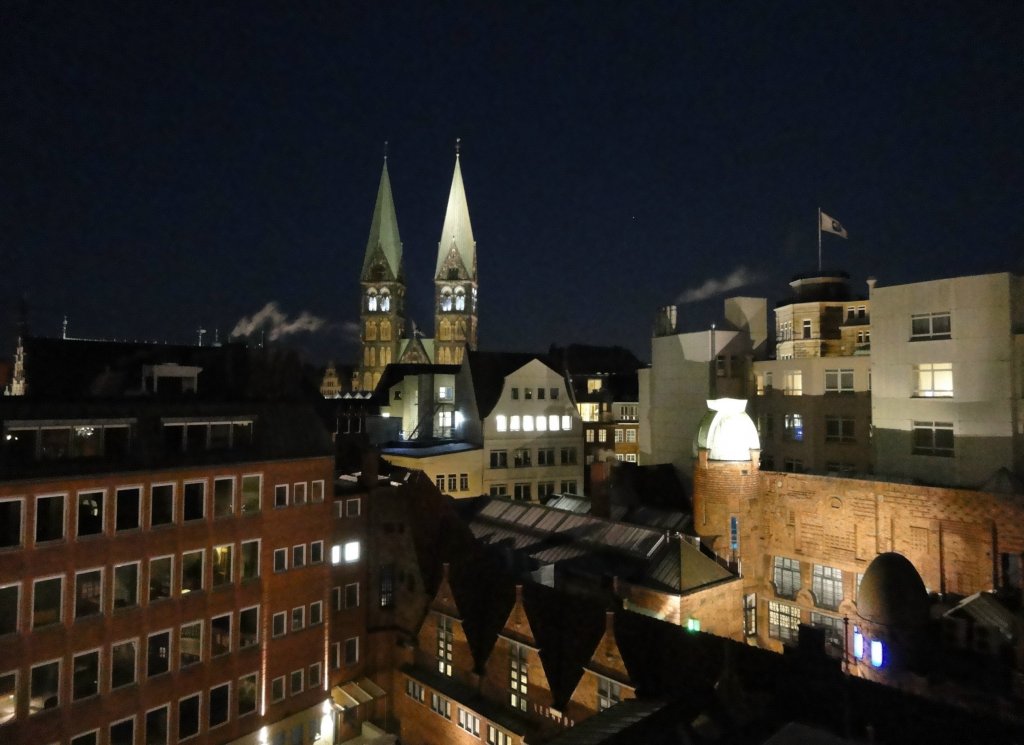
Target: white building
{"points": [[947, 366]]}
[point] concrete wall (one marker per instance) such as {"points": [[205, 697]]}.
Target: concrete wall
{"points": [[981, 349]]}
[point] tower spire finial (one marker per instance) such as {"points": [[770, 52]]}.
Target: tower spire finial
{"points": [[385, 151], [458, 144]]}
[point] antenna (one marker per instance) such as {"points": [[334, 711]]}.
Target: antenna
{"points": [[200, 331]]}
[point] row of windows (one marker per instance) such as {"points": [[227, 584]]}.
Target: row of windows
{"points": [[91, 596], [279, 621], [97, 671], [930, 379], [466, 719], [370, 333], [530, 423], [524, 490], [826, 582], [351, 507], [95, 512], [298, 556], [455, 482], [27, 442], [378, 302], [197, 437], [154, 726], [523, 457], [297, 495], [345, 598], [528, 393], [621, 434]]}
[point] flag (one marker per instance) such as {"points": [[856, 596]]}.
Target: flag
{"points": [[831, 225]]}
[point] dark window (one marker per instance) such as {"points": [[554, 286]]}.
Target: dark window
{"points": [[219, 701], [10, 523], [195, 500], [49, 519], [156, 726], [158, 654], [127, 509], [933, 438], [188, 717], [90, 513], [161, 508]]}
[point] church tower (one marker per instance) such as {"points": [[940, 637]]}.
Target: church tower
{"points": [[382, 281], [455, 281]]}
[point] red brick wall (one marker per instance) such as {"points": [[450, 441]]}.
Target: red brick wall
{"points": [[275, 528]]}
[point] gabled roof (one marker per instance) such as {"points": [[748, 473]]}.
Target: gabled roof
{"points": [[489, 370], [384, 231], [457, 229]]}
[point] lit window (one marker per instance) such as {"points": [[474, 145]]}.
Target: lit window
{"points": [[352, 549], [933, 380], [518, 677], [542, 422], [527, 423], [794, 383], [515, 425], [858, 643], [693, 624], [445, 642], [566, 423], [553, 422], [609, 693], [877, 653], [501, 422], [783, 621], [794, 427]]}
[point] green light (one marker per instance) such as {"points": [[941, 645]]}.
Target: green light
{"points": [[693, 624]]}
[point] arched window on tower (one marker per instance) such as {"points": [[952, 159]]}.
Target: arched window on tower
{"points": [[367, 381], [446, 299], [371, 357], [385, 330], [385, 301], [371, 300], [460, 330], [385, 356], [460, 298], [444, 331], [371, 331]]}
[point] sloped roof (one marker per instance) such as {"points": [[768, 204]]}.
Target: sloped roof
{"points": [[489, 370], [384, 231], [457, 229], [984, 609]]}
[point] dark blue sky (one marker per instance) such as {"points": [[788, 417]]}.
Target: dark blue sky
{"points": [[166, 164]]}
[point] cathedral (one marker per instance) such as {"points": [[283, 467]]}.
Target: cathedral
{"points": [[384, 334]]}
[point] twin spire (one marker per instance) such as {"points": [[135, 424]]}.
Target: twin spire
{"points": [[457, 229]]}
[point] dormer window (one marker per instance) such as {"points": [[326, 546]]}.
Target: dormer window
{"points": [[371, 300], [446, 300], [385, 301], [460, 299]]}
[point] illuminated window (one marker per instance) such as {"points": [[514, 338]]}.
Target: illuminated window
{"points": [[352, 552], [527, 423], [518, 676], [794, 427], [223, 565], [460, 298], [877, 653], [590, 435], [566, 423], [693, 624], [602, 435], [553, 422], [445, 641], [783, 621], [831, 625], [501, 422], [925, 326], [371, 300], [630, 435], [618, 435], [446, 299], [542, 423], [385, 301], [515, 424], [469, 722], [794, 383], [933, 380], [858, 644]]}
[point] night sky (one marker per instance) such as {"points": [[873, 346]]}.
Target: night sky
{"points": [[170, 164]]}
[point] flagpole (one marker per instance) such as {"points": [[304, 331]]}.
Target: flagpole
{"points": [[819, 240]]}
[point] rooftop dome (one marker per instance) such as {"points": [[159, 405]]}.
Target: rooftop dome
{"points": [[892, 592], [727, 431]]}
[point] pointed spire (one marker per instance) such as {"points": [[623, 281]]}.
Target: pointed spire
{"points": [[457, 228], [384, 227]]}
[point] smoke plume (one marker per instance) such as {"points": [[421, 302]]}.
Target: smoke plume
{"points": [[740, 277], [276, 324]]}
